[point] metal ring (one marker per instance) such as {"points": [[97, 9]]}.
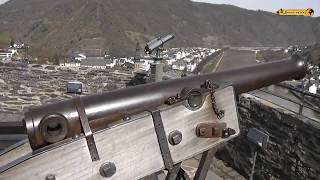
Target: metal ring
{"points": [[195, 100], [54, 128]]}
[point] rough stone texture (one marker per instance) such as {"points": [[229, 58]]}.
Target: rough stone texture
{"points": [[293, 151], [23, 85]]}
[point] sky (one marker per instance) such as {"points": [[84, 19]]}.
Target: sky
{"points": [[266, 5], [3, 1], [270, 5]]}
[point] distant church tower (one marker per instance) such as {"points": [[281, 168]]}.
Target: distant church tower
{"points": [[137, 57]]}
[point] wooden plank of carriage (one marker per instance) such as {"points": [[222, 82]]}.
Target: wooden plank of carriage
{"points": [[132, 146]]}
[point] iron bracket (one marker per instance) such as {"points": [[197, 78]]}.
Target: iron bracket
{"points": [[174, 173], [214, 130], [162, 140], [87, 130], [184, 95], [204, 165]]}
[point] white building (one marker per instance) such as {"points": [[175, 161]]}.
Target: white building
{"points": [[191, 67], [146, 66], [171, 61], [18, 45], [98, 63], [313, 89], [7, 54], [178, 55], [122, 61], [111, 63], [189, 59], [142, 65], [70, 64], [179, 65], [80, 57]]}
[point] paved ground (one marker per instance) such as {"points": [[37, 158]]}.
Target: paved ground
{"points": [[235, 59], [218, 170]]}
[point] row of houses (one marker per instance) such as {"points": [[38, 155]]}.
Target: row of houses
{"points": [[7, 54], [177, 58], [181, 59], [18, 45], [97, 62], [182, 65], [187, 58]]}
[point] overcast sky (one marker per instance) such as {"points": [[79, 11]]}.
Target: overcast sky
{"points": [[3, 1], [266, 5], [271, 5]]}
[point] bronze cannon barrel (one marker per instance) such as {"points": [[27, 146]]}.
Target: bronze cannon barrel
{"points": [[51, 123]]}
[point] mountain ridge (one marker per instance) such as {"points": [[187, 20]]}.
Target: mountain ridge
{"points": [[55, 27]]}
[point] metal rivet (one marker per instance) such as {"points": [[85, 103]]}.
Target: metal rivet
{"points": [[202, 131], [175, 137], [76, 136], [228, 132], [107, 169], [50, 177], [127, 118]]}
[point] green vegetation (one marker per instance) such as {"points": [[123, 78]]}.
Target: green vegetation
{"points": [[208, 68], [259, 56], [270, 55], [4, 39], [207, 60]]}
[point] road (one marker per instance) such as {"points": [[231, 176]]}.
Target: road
{"points": [[236, 58], [219, 61], [256, 48]]}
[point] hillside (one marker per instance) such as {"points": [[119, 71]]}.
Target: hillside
{"points": [[4, 39], [54, 27]]}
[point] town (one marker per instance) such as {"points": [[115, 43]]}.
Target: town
{"points": [[26, 84], [176, 58]]}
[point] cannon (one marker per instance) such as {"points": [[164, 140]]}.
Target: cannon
{"points": [[160, 119], [52, 123]]}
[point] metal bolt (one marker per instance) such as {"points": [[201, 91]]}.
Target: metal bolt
{"points": [[175, 137], [231, 131], [76, 136], [107, 169], [127, 118], [228, 132], [50, 177], [202, 131]]}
